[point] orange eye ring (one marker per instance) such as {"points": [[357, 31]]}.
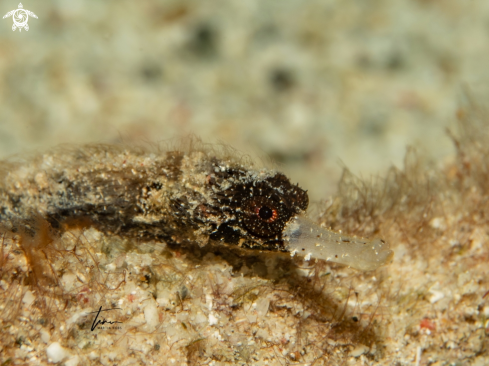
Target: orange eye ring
{"points": [[265, 213], [264, 216]]}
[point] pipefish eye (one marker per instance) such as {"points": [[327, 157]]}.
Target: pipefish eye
{"points": [[266, 213], [265, 216]]}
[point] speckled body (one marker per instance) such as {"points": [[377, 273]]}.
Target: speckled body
{"points": [[190, 195]]}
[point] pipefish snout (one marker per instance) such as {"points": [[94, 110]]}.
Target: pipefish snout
{"points": [[186, 196]]}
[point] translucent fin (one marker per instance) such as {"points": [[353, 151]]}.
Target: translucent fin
{"points": [[305, 238]]}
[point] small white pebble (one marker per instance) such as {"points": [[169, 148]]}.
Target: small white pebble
{"points": [[486, 311], [4, 285], [45, 336], [68, 281], [151, 315], [28, 298], [212, 319], [217, 336], [436, 296], [359, 350], [437, 223], [56, 353], [262, 306], [208, 300]]}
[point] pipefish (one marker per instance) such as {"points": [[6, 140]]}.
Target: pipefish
{"points": [[190, 195]]}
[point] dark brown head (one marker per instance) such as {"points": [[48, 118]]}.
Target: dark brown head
{"points": [[255, 207]]}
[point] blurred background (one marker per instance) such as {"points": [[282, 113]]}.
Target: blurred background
{"points": [[311, 84]]}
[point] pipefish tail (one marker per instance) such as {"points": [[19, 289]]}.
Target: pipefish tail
{"points": [[191, 195]]}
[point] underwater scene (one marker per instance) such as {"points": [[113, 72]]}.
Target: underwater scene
{"points": [[190, 182]]}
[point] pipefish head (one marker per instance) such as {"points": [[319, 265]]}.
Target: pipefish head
{"points": [[255, 208], [265, 211]]}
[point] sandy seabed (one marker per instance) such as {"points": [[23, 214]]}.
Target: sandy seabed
{"points": [[88, 298], [305, 84]]}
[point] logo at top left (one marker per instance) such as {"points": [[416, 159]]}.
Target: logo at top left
{"points": [[20, 17]]}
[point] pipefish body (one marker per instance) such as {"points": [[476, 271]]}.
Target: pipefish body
{"points": [[190, 195]]}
